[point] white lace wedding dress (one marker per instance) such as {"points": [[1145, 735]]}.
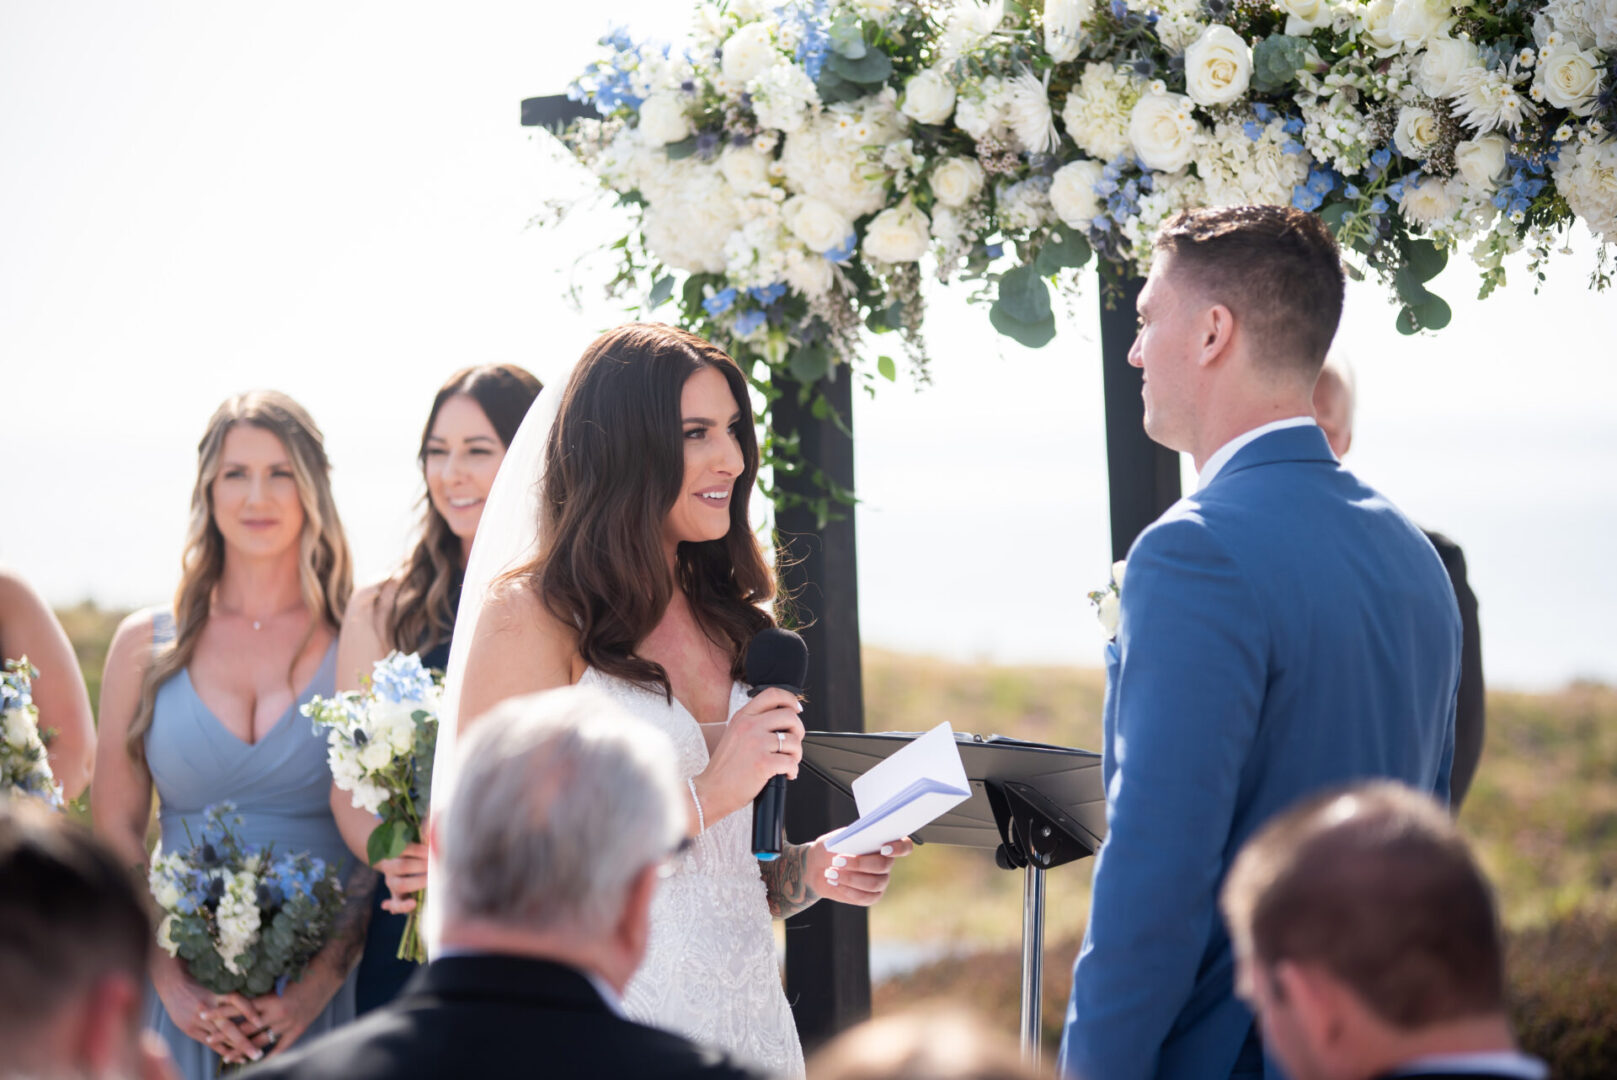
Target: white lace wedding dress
{"points": [[710, 971]]}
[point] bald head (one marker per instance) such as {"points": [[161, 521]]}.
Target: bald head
{"points": [[1334, 397]]}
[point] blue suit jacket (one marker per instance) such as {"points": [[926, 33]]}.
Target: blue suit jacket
{"points": [[1284, 631]]}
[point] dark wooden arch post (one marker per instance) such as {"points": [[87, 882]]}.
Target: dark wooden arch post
{"points": [[827, 946], [1142, 477]]}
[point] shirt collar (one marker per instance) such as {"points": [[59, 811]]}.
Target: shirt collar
{"points": [[1221, 457], [608, 995], [1510, 1064]]}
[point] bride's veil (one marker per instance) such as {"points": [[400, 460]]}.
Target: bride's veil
{"points": [[507, 537]]}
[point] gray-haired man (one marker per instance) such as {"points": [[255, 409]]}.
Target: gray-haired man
{"points": [[565, 810]]}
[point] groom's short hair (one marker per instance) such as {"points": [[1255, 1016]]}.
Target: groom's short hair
{"points": [[1277, 268], [561, 799], [1375, 885]]}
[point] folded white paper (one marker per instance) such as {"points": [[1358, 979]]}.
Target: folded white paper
{"points": [[911, 788]]}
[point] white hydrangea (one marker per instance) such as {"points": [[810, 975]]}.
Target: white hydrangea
{"points": [[783, 97], [830, 159], [1025, 205], [1240, 171], [746, 170], [690, 212], [1586, 22], [969, 26], [1096, 113], [984, 110], [1336, 132], [1586, 176], [237, 918], [755, 254], [1170, 194], [748, 53], [1179, 22]]}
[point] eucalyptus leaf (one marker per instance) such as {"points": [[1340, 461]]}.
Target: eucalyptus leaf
{"points": [[872, 68], [1034, 335], [1408, 322], [661, 291], [886, 368], [1276, 60], [1435, 313], [834, 89], [810, 363], [1067, 249], [1410, 289], [1425, 259], [683, 149], [848, 36], [1023, 295]]}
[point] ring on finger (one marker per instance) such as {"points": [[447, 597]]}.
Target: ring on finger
{"points": [[780, 742]]}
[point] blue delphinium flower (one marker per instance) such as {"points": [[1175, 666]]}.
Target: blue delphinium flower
{"points": [[1306, 198], [844, 251], [767, 294], [1253, 129], [748, 321], [720, 302], [814, 41]]}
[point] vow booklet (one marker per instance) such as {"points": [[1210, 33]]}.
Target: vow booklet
{"points": [[912, 787]]}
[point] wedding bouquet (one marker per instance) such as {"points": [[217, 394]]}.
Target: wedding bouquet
{"points": [[380, 744], [243, 920], [800, 161], [24, 765]]}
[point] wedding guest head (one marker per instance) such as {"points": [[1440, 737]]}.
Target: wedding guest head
{"points": [[563, 813], [651, 465], [946, 1044], [1335, 397], [1367, 940], [73, 947], [474, 417], [1235, 320]]}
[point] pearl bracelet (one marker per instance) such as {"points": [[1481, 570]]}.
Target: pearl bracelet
{"points": [[701, 823]]}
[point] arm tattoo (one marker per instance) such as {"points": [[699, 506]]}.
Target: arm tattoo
{"points": [[787, 880], [348, 929]]}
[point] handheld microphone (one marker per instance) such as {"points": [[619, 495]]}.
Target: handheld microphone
{"points": [[775, 658]]}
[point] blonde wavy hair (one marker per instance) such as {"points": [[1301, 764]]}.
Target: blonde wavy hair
{"points": [[325, 569]]}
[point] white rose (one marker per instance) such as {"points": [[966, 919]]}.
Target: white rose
{"points": [[1162, 131], [663, 119], [748, 54], [815, 223], [377, 753], [1072, 192], [1570, 79], [1433, 201], [897, 235], [165, 892], [1417, 132], [957, 180], [745, 169], [1305, 15], [1063, 27], [1481, 161], [19, 731], [928, 97], [1374, 27], [1218, 66], [1415, 22], [1438, 70], [1110, 613]]}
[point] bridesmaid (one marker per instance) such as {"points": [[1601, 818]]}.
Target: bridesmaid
{"points": [[202, 704], [474, 417], [29, 628]]}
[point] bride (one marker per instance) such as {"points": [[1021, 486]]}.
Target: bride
{"points": [[645, 579]]}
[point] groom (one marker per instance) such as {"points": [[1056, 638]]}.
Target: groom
{"points": [[1284, 629]]}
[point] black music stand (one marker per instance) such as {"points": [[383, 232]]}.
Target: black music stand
{"points": [[1036, 806]]}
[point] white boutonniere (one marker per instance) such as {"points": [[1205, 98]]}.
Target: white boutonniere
{"points": [[1109, 601]]}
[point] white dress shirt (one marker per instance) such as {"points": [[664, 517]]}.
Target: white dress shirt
{"points": [[1506, 1064], [1221, 457]]}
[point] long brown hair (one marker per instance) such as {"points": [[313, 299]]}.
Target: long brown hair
{"points": [[325, 570], [615, 467], [422, 615]]}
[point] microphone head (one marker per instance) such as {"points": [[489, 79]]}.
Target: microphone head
{"points": [[776, 657]]}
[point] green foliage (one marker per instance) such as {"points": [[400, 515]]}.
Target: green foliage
{"points": [[1276, 60], [1023, 309]]}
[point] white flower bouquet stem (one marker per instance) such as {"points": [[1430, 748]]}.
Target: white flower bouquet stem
{"points": [[380, 745]]}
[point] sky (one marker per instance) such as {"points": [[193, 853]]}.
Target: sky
{"points": [[336, 200]]}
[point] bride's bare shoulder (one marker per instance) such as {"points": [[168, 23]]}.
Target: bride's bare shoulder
{"points": [[517, 639]]}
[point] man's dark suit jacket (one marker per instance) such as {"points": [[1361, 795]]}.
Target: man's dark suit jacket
{"points": [[1468, 712], [494, 1016]]}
